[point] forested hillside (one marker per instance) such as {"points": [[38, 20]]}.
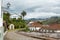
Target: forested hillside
{"points": [[52, 20]]}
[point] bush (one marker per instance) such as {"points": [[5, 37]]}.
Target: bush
{"points": [[25, 29]]}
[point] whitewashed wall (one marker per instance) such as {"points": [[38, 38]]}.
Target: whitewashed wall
{"points": [[1, 23], [34, 28]]}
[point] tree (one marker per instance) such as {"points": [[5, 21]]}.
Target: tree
{"points": [[6, 20], [6, 16], [23, 14]]}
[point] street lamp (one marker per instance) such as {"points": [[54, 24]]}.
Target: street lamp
{"points": [[8, 5]]}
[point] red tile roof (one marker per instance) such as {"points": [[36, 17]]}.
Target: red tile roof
{"points": [[35, 24], [53, 27]]}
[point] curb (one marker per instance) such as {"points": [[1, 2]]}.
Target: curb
{"points": [[5, 33]]}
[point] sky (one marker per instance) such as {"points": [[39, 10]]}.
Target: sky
{"points": [[35, 8]]}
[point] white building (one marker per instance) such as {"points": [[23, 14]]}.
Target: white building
{"points": [[14, 16], [1, 24], [34, 26], [52, 28]]}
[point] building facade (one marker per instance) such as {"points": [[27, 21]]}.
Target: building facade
{"points": [[1, 24], [34, 26]]}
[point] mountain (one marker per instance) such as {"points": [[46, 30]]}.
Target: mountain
{"points": [[36, 19], [52, 20]]}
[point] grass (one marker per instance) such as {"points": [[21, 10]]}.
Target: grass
{"points": [[20, 29]]}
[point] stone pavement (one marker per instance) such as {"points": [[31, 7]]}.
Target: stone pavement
{"points": [[33, 34], [14, 36]]}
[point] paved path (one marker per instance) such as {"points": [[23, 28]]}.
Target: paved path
{"points": [[14, 36]]}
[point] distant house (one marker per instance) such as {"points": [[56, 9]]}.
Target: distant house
{"points": [[51, 28], [14, 16], [34, 26]]}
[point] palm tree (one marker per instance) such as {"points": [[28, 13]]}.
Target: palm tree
{"points": [[23, 14]]}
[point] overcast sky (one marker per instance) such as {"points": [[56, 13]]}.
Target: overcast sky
{"points": [[35, 8]]}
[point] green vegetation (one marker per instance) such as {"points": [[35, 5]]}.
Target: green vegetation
{"points": [[52, 20], [18, 23], [6, 17], [23, 14], [25, 29]]}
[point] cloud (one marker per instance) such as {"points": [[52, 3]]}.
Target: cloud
{"points": [[40, 15], [44, 7]]}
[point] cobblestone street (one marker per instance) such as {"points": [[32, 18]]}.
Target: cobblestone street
{"points": [[14, 36]]}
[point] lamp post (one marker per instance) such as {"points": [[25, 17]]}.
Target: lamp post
{"points": [[8, 5]]}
